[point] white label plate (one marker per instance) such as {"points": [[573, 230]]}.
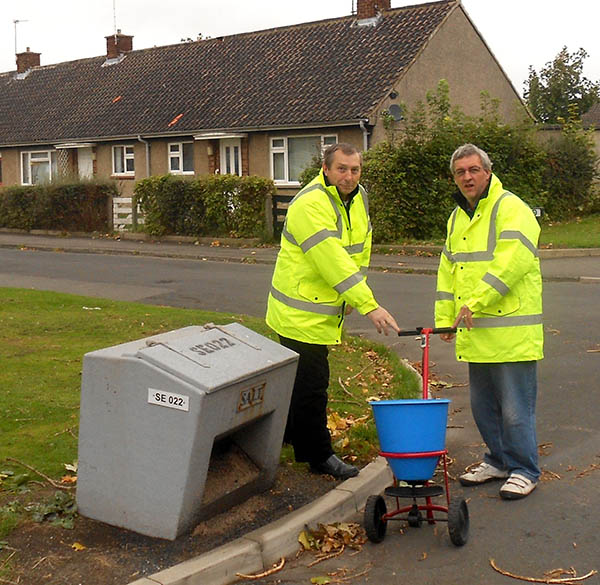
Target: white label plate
{"points": [[168, 399]]}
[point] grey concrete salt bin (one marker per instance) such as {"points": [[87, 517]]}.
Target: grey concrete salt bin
{"points": [[153, 410]]}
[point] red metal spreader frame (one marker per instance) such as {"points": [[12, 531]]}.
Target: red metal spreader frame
{"points": [[456, 512], [429, 507]]}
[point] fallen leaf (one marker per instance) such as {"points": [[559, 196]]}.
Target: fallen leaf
{"points": [[320, 580], [78, 546], [68, 479]]}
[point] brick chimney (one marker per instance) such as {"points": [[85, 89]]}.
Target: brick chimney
{"points": [[370, 8], [27, 60], [117, 44]]}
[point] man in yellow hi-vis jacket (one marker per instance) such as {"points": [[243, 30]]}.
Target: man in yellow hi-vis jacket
{"points": [[490, 287], [320, 275]]}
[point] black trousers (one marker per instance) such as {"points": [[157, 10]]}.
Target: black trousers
{"points": [[306, 428]]}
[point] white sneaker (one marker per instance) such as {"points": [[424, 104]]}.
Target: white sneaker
{"points": [[517, 486], [482, 473]]}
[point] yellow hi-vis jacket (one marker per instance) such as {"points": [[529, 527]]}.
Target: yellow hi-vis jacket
{"points": [[322, 265], [490, 263]]}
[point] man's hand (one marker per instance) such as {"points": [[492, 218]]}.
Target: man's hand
{"points": [[382, 320], [466, 316], [447, 337], [348, 310]]}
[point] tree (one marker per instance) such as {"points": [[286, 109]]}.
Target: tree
{"points": [[559, 86]]}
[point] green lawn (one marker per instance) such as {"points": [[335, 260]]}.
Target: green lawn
{"points": [[578, 233]]}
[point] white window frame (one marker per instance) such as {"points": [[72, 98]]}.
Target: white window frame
{"points": [[179, 156], [128, 155], [326, 140], [42, 156]]}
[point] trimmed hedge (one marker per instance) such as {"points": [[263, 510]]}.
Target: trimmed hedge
{"points": [[78, 206], [210, 205]]}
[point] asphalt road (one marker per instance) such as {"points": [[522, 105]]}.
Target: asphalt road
{"points": [[557, 526]]}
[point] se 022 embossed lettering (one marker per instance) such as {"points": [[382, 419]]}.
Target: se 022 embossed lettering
{"points": [[212, 346]]}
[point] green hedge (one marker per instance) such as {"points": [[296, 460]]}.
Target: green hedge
{"points": [[210, 205], [76, 206]]}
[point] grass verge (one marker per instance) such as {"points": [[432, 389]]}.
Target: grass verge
{"points": [[581, 232], [44, 335]]}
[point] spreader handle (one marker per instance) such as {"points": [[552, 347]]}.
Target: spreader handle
{"points": [[418, 331]]}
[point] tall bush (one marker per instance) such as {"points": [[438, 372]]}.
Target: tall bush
{"points": [[408, 176], [210, 205], [571, 169]]}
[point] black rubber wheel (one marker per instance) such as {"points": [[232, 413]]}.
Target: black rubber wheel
{"points": [[375, 526], [458, 522]]}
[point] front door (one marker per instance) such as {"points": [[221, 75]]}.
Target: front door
{"points": [[231, 156], [85, 163]]}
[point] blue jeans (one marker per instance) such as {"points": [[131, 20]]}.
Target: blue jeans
{"points": [[503, 397]]}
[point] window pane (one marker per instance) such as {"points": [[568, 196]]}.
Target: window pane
{"points": [[173, 147], [129, 165], [25, 165], [40, 172], [278, 166], [53, 165], [188, 157], [129, 150], [278, 143], [39, 155], [118, 159], [300, 154], [174, 163], [236, 161], [327, 140]]}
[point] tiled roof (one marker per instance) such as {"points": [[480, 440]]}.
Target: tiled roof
{"points": [[592, 117], [313, 73]]}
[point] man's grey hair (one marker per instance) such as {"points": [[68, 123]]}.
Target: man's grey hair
{"points": [[347, 149], [468, 150]]}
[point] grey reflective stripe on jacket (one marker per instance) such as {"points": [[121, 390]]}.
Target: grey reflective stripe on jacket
{"points": [[509, 321], [355, 248], [515, 235], [305, 305], [444, 296], [349, 282], [496, 283]]}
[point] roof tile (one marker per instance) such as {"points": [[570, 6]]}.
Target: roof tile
{"points": [[312, 73]]}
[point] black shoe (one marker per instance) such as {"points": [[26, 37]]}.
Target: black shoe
{"points": [[336, 467]]}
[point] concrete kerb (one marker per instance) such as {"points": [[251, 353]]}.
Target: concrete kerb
{"points": [[260, 549]]}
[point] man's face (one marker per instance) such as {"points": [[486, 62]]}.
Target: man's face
{"points": [[344, 172], [471, 177]]}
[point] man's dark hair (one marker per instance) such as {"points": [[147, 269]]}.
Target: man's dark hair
{"points": [[346, 148]]}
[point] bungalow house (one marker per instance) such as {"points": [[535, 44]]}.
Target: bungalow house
{"points": [[260, 103]]}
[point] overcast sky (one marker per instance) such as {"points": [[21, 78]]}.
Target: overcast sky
{"points": [[519, 32]]}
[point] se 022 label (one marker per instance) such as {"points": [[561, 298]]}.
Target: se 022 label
{"points": [[168, 399]]}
